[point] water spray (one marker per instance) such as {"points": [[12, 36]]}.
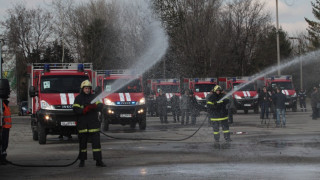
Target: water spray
{"points": [[156, 49], [308, 58]]}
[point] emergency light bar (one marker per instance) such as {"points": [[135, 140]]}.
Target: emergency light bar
{"points": [[165, 80], [244, 78], [273, 77], [116, 71], [203, 79], [72, 66]]}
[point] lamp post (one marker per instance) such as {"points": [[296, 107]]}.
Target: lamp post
{"points": [[278, 45], [299, 51]]}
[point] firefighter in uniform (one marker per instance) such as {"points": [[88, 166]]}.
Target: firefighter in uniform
{"points": [[302, 99], [6, 125], [218, 113], [88, 124]]}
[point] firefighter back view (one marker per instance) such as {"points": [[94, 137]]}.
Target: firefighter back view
{"points": [[88, 124], [218, 113]]}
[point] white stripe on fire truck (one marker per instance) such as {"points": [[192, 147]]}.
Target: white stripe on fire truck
{"points": [[71, 98], [248, 92], [244, 93], [287, 92], [205, 94], [63, 98], [167, 95], [121, 97], [171, 95], [128, 96]]}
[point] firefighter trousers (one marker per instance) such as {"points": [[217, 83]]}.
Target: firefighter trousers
{"points": [[225, 129], [96, 146]]}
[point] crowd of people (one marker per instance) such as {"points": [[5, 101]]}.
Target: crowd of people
{"points": [[185, 109]]}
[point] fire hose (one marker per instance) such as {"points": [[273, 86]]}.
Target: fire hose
{"points": [[119, 138]]}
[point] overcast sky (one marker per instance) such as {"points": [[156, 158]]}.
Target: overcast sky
{"points": [[291, 12]]}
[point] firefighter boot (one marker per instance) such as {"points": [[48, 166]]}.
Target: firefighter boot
{"points": [[227, 137], [81, 163], [100, 163]]}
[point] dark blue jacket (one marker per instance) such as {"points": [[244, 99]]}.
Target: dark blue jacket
{"points": [[279, 100]]}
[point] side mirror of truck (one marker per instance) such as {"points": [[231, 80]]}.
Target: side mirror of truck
{"points": [[97, 90], [32, 91]]}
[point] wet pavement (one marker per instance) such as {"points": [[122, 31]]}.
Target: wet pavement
{"points": [[258, 151]]}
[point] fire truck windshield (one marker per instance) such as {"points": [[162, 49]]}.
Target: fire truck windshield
{"points": [[249, 87], [133, 87], [168, 88], [61, 83], [282, 85], [203, 87]]}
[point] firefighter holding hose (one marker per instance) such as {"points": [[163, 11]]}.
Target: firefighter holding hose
{"points": [[218, 113], [88, 123]]}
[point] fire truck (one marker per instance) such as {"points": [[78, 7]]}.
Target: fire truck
{"points": [[245, 98], [52, 90], [201, 87], [125, 102], [169, 86], [284, 82]]}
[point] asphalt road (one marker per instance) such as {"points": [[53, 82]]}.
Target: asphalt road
{"points": [[258, 151]]}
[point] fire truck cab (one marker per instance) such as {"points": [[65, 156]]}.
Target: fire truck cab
{"points": [[52, 90], [125, 102], [201, 87], [284, 82], [170, 87], [246, 97]]}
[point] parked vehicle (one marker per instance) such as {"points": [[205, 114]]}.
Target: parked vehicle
{"points": [[52, 90], [23, 108]]}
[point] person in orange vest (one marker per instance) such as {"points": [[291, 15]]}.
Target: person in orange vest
{"points": [[6, 125]]}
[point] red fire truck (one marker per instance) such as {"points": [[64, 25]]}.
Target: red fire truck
{"points": [[284, 82], [201, 87], [246, 97], [169, 86], [126, 102], [52, 90]]}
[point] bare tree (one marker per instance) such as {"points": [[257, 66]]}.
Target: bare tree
{"points": [[27, 31]]}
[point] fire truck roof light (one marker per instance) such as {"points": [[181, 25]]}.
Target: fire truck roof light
{"points": [[47, 68], [196, 80], [288, 78], [80, 67], [174, 81], [158, 81], [272, 78], [107, 73], [234, 79], [212, 80]]}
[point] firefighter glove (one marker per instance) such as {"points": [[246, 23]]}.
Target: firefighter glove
{"points": [[86, 110]]}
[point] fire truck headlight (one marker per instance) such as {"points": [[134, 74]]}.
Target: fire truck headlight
{"points": [[237, 97], [294, 95], [198, 98], [45, 105], [142, 101], [108, 102], [256, 96], [47, 117]]}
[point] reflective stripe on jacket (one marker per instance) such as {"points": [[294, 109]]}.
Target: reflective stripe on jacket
{"points": [[7, 122]]}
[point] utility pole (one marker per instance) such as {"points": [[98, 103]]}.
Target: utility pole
{"points": [[278, 41]]}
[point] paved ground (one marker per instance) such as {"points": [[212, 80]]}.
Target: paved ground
{"points": [[258, 151]]}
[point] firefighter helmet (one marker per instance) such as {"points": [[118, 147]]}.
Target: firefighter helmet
{"points": [[86, 83], [217, 88]]}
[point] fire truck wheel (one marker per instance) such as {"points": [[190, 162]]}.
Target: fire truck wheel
{"points": [[35, 135], [246, 111], [133, 124], [143, 124], [105, 124], [42, 134]]}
